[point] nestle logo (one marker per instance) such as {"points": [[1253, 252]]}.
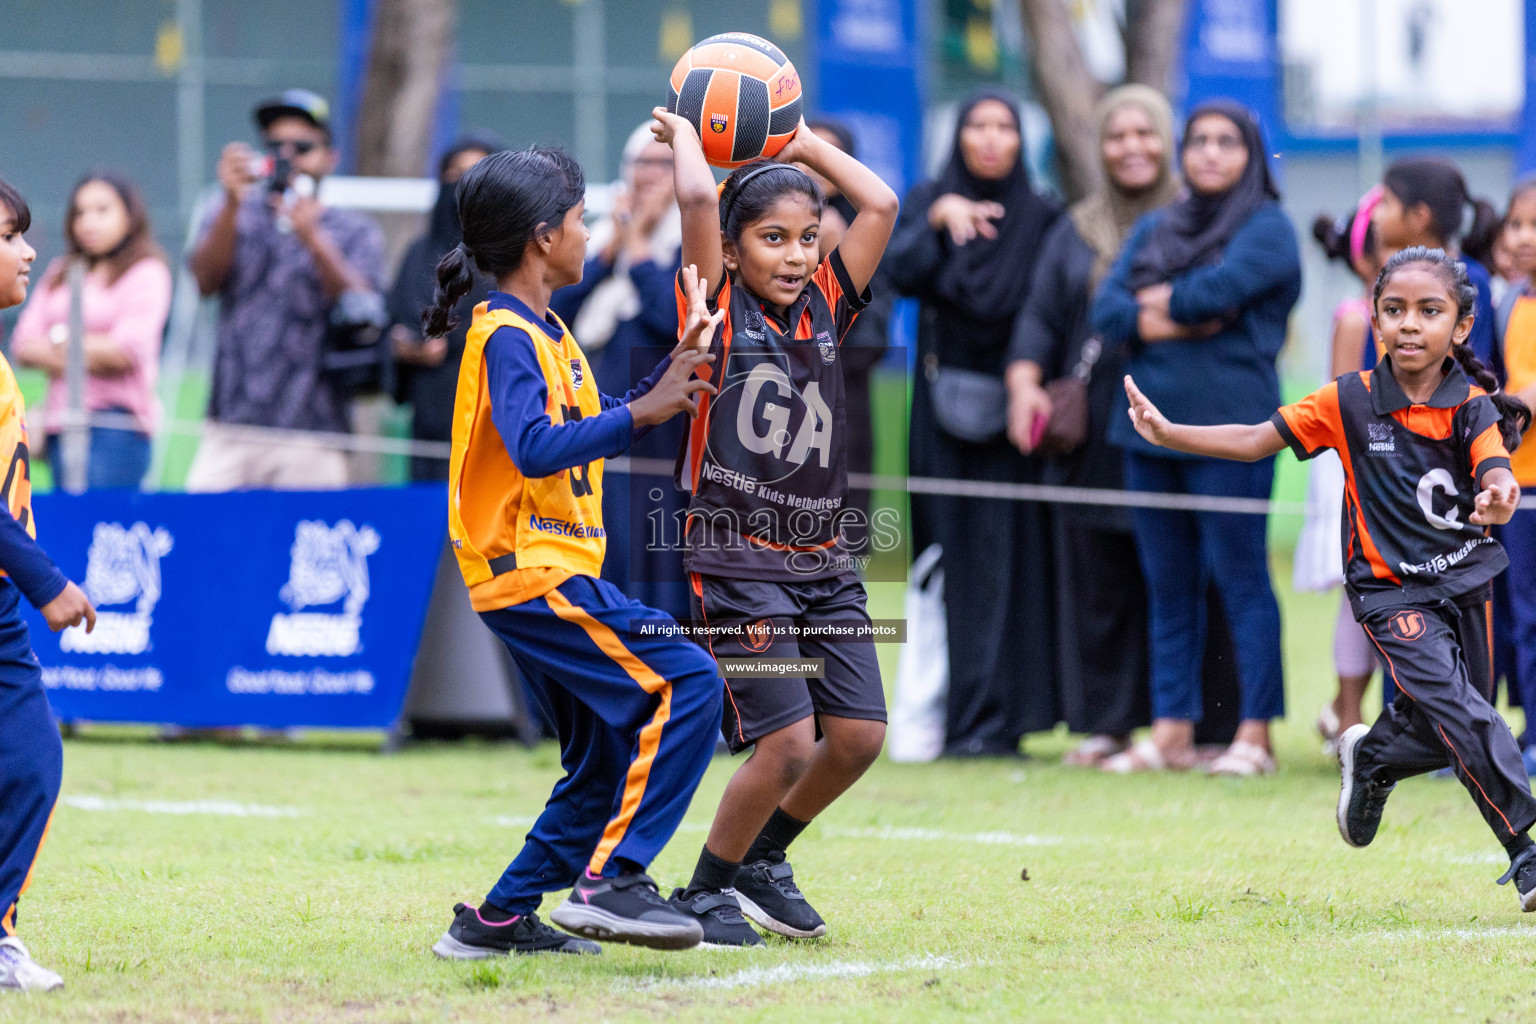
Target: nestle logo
{"points": [[1380, 437]]}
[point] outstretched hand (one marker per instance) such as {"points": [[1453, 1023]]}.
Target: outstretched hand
{"points": [[1495, 504], [1149, 423], [699, 327]]}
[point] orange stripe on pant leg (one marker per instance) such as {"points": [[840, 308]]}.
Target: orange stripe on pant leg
{"points": [[650, 735], [8, 922], [1479, 785]]}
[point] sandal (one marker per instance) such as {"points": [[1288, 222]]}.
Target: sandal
{"points": [[1094, 750], [1328, 728], [1243, 759], [1143, 757]]}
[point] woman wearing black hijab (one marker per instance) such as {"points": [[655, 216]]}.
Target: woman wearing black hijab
{"points": [[427, 369], [965, 247], [1202, 294]]}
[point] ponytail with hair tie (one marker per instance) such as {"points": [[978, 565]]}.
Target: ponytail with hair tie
{"points": [[1514, 415], [455, 276]]}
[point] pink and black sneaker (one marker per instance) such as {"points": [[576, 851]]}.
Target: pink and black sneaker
{"points": [[474, 936], [626, 909]]}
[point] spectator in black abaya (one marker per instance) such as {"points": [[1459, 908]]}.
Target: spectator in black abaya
{"points": [[427, 369], [965, 247], [863, 345]]}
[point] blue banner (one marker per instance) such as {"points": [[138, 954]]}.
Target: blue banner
{"points": [[1232, 52], [263, 608], [867, 60]]}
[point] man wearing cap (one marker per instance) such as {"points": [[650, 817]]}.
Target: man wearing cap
{"points": [[279, 262]]}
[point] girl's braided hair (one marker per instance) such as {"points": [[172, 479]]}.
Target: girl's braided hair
{"points": [[1514, 416]]}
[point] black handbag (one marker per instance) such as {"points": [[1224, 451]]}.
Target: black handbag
{"points": [[968, 404]]}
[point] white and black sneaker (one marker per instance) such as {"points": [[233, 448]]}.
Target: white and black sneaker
{"points": [[768, 896], [1362, 797], [626, 909], [719, 915], [1522, 871], [20, 973], [472, 937]]}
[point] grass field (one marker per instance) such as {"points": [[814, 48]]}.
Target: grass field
{"points": [[1171, 898]]}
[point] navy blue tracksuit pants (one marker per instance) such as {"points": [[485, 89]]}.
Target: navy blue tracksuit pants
{"points": [[637, 717], [31, 757]]}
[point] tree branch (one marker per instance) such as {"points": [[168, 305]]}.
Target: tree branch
{"points": [[1068, 91]]}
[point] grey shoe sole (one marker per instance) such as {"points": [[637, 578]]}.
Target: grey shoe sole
{"points": [[450, 948], [1348, 742], [595, 923], [754, 913]]}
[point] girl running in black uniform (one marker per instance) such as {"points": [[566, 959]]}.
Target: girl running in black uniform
{"points": [[1426, 464], [766, 463]]}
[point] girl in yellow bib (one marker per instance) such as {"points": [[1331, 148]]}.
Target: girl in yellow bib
{"points": [[635, 705]]}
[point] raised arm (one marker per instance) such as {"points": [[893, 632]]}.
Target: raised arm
{"points": [[1238, 441], [698, 199], [864, 242]]}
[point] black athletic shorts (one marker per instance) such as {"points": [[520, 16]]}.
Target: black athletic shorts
{"points": [[754, 707]]}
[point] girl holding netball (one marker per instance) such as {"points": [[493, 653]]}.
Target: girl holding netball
{"points": [[635, 715], [766, 464], [1425, 440]]}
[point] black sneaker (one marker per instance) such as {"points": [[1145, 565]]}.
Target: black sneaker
{"points": [[719, 915], [1522, 870], [472, 937], [1362, 797], [766, 891], [626, 909]]}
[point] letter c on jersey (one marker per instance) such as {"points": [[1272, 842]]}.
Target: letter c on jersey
{"points": [[1429, 483]]}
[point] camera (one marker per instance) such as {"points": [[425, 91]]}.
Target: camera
{"points": [[280, 176]]}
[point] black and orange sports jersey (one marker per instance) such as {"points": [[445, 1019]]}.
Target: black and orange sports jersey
{"points": [[1411, 475], [766, 458]]}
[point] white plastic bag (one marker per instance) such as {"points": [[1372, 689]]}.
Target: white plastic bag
{"points": [[1319, 560], [922, 680]]}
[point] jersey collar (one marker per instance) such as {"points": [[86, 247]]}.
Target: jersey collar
{"points": [[551, 323], [1387, 396]]}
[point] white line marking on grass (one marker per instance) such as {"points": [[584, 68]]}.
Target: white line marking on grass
{"points": [[934, 835], [888, 832], [1487, 857], [778, 975], [221, 808]]}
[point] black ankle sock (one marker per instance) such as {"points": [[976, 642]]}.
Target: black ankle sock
{"points": [[776, 836], [712, 873], [627, 866], [490, 913], [1518, 845]]}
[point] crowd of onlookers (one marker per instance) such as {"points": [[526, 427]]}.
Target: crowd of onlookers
{"points": [[1180, 268]]}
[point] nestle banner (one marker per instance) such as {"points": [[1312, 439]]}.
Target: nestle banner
{"points": [[259, 608]]}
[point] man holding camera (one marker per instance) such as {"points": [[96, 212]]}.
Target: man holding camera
{"points": [[287, 271]]}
